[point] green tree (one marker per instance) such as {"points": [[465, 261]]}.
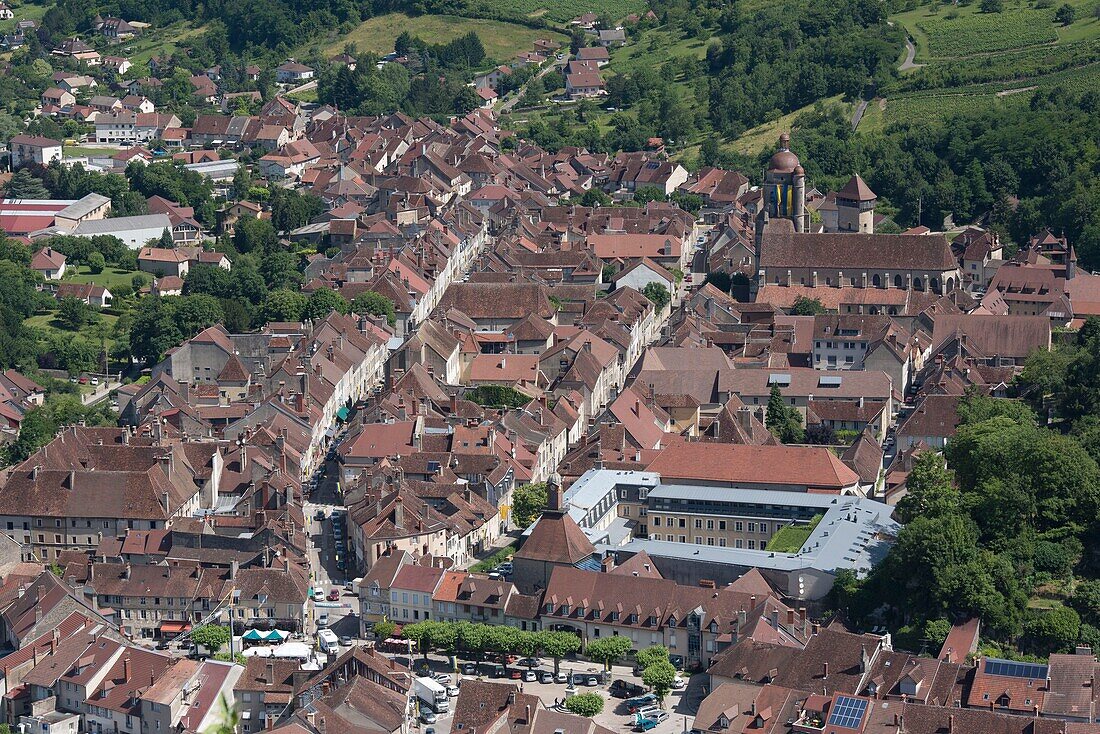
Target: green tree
{"points": [[210, 636], [284, 305], [585, 704], [595, 197], [471, 638], [96, 263], [784, 421], [528, 502], [930, 491], [608, 650], [645, 194], [421, 634], [384, 629], [660, 677], [1066, 14], [139, 281], [658, 294], [807, 307], [935, 632], [1086, 600], [651, 655], [254, 235], [558, 644], [25, 185], [74, 313], [323, 302], [992, 6], [375, 304], [1054, 630]]}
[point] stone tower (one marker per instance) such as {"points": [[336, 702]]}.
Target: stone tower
{"points": [[855, 206], [785, 187]]}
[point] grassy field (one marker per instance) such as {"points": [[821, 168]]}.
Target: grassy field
{"points": [[46, 321], [503, 41], [110, 278], [766, 136], [24, 11], [791, 538], [562, 11], [81, 151], [159, 41]]}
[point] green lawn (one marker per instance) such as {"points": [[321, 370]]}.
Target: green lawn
{"points": [[502, 41], [24, 11], [791, 538], [47, 321], [81, 151], [110, 278]]}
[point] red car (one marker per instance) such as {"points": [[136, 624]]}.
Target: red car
{"points": [[334, 595], [515, 674]]}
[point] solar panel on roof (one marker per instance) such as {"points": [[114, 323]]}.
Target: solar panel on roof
{"points": [[847, 712], [1014, 669], [779, 379], [829, 381]]}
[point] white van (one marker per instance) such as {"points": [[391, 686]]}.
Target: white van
{"points": [[328, 641]]}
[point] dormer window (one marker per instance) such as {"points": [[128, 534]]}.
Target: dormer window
{"points": [[565, 610], [672, 620], [633, 619], [549, 608], [614, 616]]}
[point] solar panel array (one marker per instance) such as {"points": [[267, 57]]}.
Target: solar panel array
{"points": [[1014, 669], [847, 712]]}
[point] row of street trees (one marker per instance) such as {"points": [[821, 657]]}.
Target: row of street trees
{"points": [[474, 639]]}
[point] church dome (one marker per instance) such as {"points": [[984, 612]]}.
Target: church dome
{"points": [[784, 161]]}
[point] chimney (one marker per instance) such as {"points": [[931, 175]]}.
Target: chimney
{"points": [[126, 671], [790, 618], [269, 677], [825, 669], [951, 724], [554, 499], [234, 566], [398, 512], [608, 564]]}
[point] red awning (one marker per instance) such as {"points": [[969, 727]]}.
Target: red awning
{"points": [[170, 626]]}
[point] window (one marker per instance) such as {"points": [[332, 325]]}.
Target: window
{"points": [[764, 528], [752, 527], [738, 526], [656, 521], [721, 542], [721, 524], [752, 545], [710, 524], [670, 538], [738, 543], [683, 539], [683, 523], [698, 524], [698, 540], [710, 540]]}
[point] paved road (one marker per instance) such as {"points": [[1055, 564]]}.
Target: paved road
{"points": [[102, 391], [910, 54], [519, 92], [857, 114], [681, 705]]}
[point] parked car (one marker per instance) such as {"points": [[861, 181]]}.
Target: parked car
{"points": [[592, 680], [561, 678], [506, 568], [469, 668], [515, 673], [546, 677], [638, 702], [625, 689], [678, 683], [345, 640], [530, 662], [641, 724], [427, 716], [319, 515], [322, 620], [318, 594], [529, 676], [647, 711], [442, 678], [452, 691], [334, 594]]}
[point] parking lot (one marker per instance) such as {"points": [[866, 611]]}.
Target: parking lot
{"points": [[681, 705]]}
